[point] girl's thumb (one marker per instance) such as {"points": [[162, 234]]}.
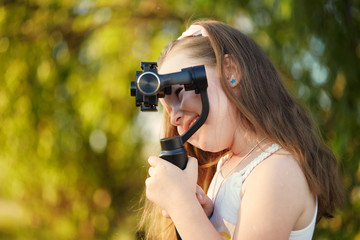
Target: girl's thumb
{"points": [[192, 165]]}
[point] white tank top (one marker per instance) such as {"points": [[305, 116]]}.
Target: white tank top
{"points": [[226, 195]]}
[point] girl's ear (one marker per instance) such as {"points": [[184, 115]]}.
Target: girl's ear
{"points": [[232, 73]]}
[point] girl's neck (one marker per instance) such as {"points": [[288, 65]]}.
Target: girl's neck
{"points": [[243, 141]]}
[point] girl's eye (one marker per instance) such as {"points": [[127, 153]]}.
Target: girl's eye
{"points": [[177, 92]]}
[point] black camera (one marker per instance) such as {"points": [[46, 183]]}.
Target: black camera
{"points": [[150, 86], [146, 88]]}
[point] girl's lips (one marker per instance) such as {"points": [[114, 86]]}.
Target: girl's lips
{"points": [[190, 122]]}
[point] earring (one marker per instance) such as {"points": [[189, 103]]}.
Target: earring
{"points": [[233, 81]]}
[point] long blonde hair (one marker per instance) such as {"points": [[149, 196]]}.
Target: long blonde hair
{"points": [[265, 107]]}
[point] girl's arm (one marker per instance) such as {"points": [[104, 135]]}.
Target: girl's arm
{"points": [[174, 190], [205, 202], [192, 222]]}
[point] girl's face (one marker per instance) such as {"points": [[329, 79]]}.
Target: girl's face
{"points": [[184, 107]]}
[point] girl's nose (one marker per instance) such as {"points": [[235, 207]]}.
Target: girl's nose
{"points": [[175, 117]]}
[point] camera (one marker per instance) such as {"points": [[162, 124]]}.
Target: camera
{"points": [[150, 86], [146, 88]]}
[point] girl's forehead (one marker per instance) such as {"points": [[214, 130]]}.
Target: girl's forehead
{"points": [[177, 60]]}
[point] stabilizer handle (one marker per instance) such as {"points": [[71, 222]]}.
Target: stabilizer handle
{"points": [[172, 150]]}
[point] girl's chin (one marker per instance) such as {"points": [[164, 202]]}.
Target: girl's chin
{"points": [[203, 145]]}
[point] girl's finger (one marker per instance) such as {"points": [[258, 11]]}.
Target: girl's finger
{"points": [[199, 190], [147, 181], [151, 171], [153, 160], [192, 165], [200, 198], [165, 214]]}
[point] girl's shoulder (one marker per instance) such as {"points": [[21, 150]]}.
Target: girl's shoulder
{"points": [[280, 170], [276, 195]]}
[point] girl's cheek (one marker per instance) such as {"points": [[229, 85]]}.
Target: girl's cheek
{"points": [[190, 101]]}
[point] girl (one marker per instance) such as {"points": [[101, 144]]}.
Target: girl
{"points": [[275, 178]]}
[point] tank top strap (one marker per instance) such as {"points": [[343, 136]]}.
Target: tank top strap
{"points": [[265, 154], [222, 160]]}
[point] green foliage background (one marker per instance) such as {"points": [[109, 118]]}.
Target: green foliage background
{"points": [[72, 157]]}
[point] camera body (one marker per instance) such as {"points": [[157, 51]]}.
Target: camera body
{"points": [[146, 88], [150, 86]]}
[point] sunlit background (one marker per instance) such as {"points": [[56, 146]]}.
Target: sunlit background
{"points": [[73, 146]]}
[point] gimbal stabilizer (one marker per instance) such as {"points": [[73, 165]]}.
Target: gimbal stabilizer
{"points": [[149, 86]]}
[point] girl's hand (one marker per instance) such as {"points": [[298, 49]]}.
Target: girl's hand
{"points": [[204, 201], [168, 186]]}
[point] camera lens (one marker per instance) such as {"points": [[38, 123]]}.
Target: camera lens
{"points": [[148, 83]]}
